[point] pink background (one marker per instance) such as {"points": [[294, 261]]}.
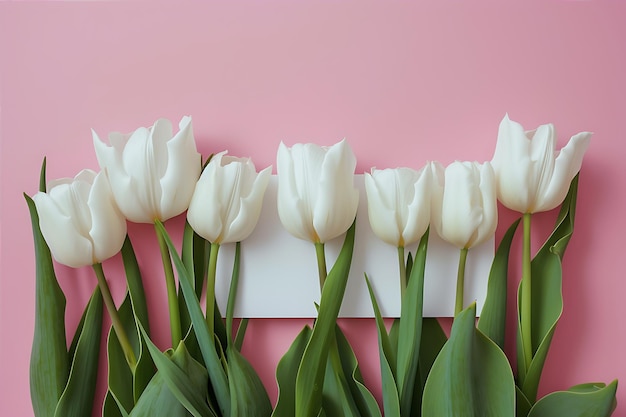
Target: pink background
{"points": [[404, 83]]}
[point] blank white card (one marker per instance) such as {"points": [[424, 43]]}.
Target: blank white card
{"points": [[278, 276]]}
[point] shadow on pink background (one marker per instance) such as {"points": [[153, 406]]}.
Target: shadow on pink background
{"points": [[404, 83]]}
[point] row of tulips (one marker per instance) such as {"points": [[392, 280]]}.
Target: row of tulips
{"points": [[152, 175]]}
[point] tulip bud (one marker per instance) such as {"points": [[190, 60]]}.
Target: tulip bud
{"points": [[79, 219], [531, 175], [227, 200], [317, 200], [152, 173], [398, 202], [464, 210]]}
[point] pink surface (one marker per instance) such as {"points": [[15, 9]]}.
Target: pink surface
{"points": [[405, 83]]}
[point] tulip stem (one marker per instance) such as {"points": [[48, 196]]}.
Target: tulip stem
{"points": [[526, 297], [172, 296], [210, 287], [321, 263], [460, 282], [402, 267], [118, 327]]}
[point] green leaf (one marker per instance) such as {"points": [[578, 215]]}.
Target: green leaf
{"points": [[180, 384], [588, 400], [492, 321], [310, 379], [387, 355], [77, 399], [241, 332], [363, 398], [471, 377], [433, 340], [410, 331], [336, 397], [547, 298], [125, 386], [206, 340], [49, 362], [522, 405], [247, 394], [286, 372], [232, 295]]}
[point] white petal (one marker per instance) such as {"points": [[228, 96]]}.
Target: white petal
{"points": [[566, 166], [489, 204], [512, 165], [108, 228], [382, 218], [337, 198], [249, 209], [183, 169], [293, 212], [204, 213], [66, 243], [418, 217]]}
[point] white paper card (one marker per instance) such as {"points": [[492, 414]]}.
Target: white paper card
{"points": [[278, 276]]}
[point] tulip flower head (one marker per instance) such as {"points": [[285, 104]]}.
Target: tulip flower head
{"points": [[79, 219], [464, 210], [152, 173], [317, 200], [227, 200], [531, 175], [398, 202]]}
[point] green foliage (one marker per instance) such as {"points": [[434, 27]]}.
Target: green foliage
{"points": [[492, 320], [49, 362], [310, 378], [471, 377], [77, 398], [547, 299], [587, 400]]}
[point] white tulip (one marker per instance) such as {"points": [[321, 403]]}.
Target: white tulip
{"points": [[152, 172], [464, 210], [531, 175], [79, 219], [227, 200], [317, 200], [398, 202]]}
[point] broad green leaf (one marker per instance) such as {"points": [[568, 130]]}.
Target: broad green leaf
{"points": [[180, 385], [547, 298], [589, 400], [387, 355], [492, 321], [286, 372], [410, 330], [433, 340], [206, 340], [49, 362], [471, 377], [77, 399], [336, 397], [310, 379], [363, 398], [247, 393], [522, 405]]}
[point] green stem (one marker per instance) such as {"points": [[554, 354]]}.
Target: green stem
{"points": [[172, 297], [321, 263], [210, 287], [460, 282], [118, 327], [526, 298]]}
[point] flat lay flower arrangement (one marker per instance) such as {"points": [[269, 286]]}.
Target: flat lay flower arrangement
{"points": [[152, 175]]}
